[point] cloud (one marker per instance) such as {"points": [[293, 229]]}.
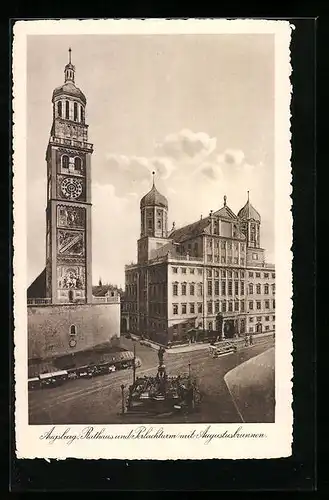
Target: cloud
{"points": [[234, 157], [187, 145]]}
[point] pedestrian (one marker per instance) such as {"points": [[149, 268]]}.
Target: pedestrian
{"points": [[251, 341], [246, 341]]}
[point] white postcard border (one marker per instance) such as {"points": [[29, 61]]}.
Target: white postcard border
{"points": [[278, 440]]}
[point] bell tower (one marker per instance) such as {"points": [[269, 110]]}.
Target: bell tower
{"points": [[68, 212]]}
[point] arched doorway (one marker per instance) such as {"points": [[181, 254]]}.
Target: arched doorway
{"points": [[70, 295], [229, 329], [259, 328], [124, 325]]}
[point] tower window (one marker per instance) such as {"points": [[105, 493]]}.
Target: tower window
{"points": [[75, 112], [65, 161], [82, 114], [73, 330], [67, 110], [59, 108], [77, 163]]}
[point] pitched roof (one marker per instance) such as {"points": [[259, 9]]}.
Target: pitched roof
{"points": [[189, 231], [101, 290], [37, 289], [225, 213]]}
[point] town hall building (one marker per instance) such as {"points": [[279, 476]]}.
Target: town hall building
{"points": [[209, 277]]}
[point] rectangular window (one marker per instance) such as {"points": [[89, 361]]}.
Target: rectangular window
{"points": [[223, 273], [273, 304], [265, 275], [229, 274], [258, 304], [266, 289], [230, 306], [242, 262], [236, 260], [222, 259], [183, 308], [209, 257], [183, 288], [222, 245], [236, 305], [230, 291], [258, 290], [224, 306], [209, 307], [242, 306], [209, 274], [267, 327], [251, 275], [259, 318], [200, 289], [67, 110], [273, 275], [273, 288], [223, 287], [191, 270], [229, 260], [199, 271], [242, 288], [236, 275], [209, 287], [183, 269], [191, 289], [251, 320], [75, 112], [251, 329], [192, 308], [251, 305], [242, 247], [257, 275], [273, 318], [199, 307], [175, 289], [210, 325], [175, 270], [267, 318], [216, 273], [236, 288], [216, 287], [175, 308], [217, 306], [267, 304]]}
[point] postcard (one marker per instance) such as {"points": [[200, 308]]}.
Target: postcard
{"points": [[152, 239]]}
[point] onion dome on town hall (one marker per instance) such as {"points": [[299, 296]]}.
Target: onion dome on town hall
{"points": [[248, 212], [69, 88], [154, 198]]}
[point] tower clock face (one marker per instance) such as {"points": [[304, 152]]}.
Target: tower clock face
{"points": [[71, 188]]}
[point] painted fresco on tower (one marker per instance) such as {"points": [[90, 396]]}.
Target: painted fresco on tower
{"points": [[71, 216], [71, 277], [70, 243]]}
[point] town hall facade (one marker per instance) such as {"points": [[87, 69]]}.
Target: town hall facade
{"points": [[209, 277]]}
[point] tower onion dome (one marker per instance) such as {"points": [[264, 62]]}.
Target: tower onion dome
{"points": [[249, 212], [154, 198], [69, 88]]}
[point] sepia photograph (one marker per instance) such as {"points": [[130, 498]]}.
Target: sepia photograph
{"points": [[151, 229]]}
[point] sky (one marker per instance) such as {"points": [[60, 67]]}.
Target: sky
{"points": [[197, 110]]}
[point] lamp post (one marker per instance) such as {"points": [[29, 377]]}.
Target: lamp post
{"points": [[134, 365], [189, 369], [122, 400]]}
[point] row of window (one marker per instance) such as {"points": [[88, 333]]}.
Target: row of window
{"points": [[258, 288], [251, 274], [225, 245], [239, 288], [64, 111], [259, 318], [225, 260], [217, 306], [223, 273]]}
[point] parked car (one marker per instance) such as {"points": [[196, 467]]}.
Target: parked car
{"points": [[111, 369]]}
